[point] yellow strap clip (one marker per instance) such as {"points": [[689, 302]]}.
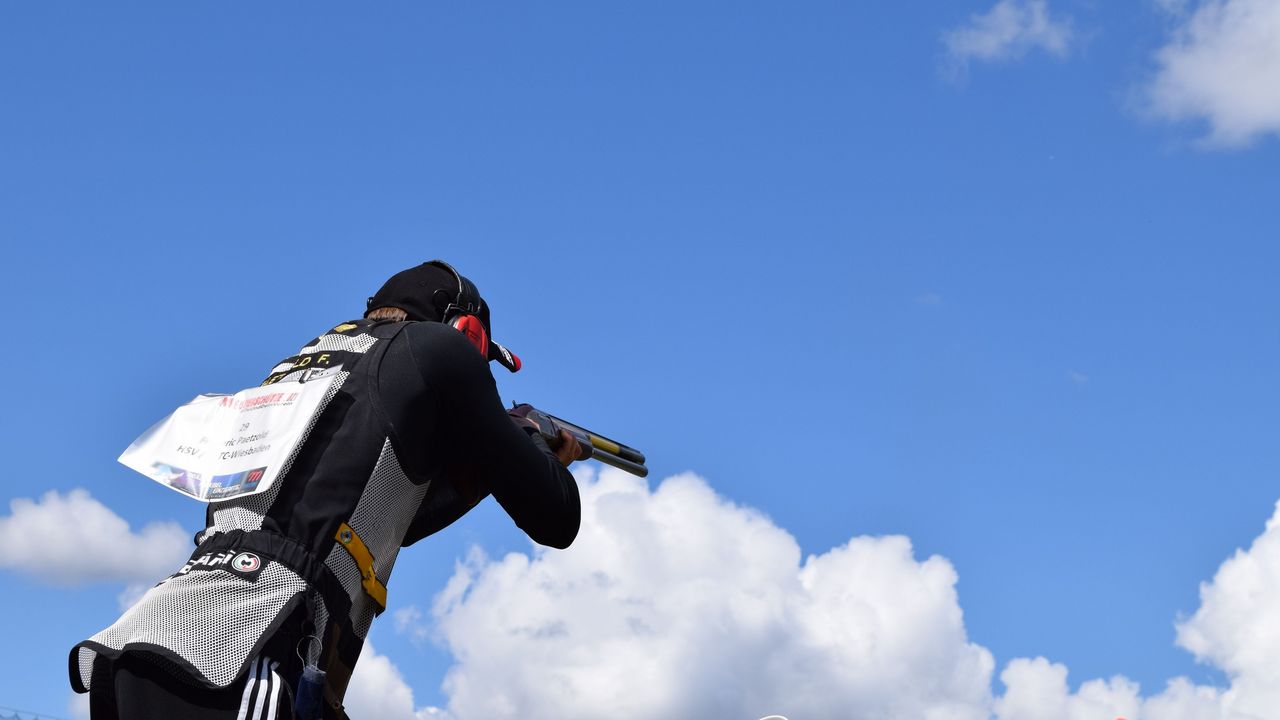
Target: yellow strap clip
{"points": [[364, 560]]}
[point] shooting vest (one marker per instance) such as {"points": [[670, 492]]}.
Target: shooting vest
{"points": [[319, 544]]}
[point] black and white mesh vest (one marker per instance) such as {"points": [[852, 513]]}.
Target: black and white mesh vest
{"points": [[315, 550]]}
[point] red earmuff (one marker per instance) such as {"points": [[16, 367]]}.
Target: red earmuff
{"points": [[470, 326]]}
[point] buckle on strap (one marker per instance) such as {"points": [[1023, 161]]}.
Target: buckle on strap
{"points": [[374, 588]]}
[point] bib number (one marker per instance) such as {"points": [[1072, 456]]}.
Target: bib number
{"points": [[219, 447]]}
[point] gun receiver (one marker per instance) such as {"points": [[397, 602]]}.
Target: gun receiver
{"points": [[594, 446]]}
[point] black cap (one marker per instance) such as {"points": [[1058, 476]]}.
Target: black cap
{"points": [[435, 292]]}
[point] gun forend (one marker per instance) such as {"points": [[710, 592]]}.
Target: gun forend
{"points": [[594, 445]]}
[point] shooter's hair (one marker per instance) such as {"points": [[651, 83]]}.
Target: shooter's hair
{"points": [[394, 314]]}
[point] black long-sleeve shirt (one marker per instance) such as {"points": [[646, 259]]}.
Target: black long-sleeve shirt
{"points": [[455, 428]]}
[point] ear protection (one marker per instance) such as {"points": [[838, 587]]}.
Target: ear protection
{"points": [[461, 311]]}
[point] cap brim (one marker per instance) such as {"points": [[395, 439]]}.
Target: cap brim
{"points": [[504, 356]]}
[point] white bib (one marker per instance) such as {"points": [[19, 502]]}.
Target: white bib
{"points": [[218, 447]]}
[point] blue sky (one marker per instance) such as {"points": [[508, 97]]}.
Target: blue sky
{"points": [[999, 279]]}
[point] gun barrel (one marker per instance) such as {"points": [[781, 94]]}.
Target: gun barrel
{"points": [[594, 445], [609, 458], [617, 449], [602, 443]]}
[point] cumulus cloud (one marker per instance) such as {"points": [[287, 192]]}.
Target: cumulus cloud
{"points": [[1009, 30], [1222, 66], [1173, 7], [1037, 690], [78, 706], [378, 690], [72, 539], [1236, 628], [133, 592], [678, 603], [408, 621]]}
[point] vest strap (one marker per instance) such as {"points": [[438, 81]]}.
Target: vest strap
{"points": [[374, 588]]}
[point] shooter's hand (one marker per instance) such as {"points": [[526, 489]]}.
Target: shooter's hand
{"points": [[567, 449], [566, 446], [519, 416]]}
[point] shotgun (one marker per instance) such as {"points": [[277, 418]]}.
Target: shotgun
{"points": [[594, 446]]}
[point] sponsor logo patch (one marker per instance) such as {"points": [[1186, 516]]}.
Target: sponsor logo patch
{"points": [[246, 562], [243, 564]]}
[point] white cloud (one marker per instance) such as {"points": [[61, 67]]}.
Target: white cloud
{"points": [[1222, 66], [78, 706], [1037, 690], [1009, 30], [132, 593], [677, 603], [408, 621], [72, 539], [378, 690], [1237, 629], [406, 618], [1173, 7]]}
